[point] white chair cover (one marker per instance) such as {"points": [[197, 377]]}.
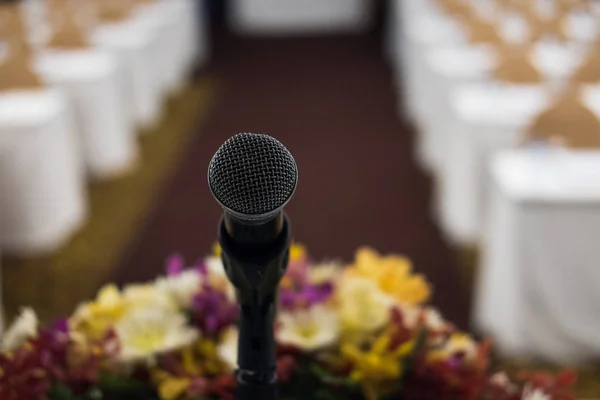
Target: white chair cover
{"points": [[192, 36], [426, 27], [485, 119], [294, 17], [537, 290], [42, 186], [136, 49], [2, 317], [167, 19], [446, 68], [91, 79]]}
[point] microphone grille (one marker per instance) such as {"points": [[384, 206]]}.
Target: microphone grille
{"points": [[252, 175]]}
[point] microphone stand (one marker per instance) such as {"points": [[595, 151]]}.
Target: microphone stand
{"points": [[255, 270]]}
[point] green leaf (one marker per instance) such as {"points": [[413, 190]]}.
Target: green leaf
{"points": [[408, 362], [94, 393], [120, 383], [60, 392], [330, 379], [421, 340], [116, 387], [325, 394]]}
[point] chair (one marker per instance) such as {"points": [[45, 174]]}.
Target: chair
{"points": [[292, 17], [2, 317], [569, 121], [536, 292], [589, 70], [487, 121], [137, 48], [42, 192], [42, 187], [175, 23], [91, 79]]}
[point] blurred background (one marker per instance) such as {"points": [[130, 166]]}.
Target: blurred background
{"points": [[463, 134]]}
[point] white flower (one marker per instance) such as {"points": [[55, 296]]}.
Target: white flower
{"points": [[149, 296], [218, 278], [410, 314], [214, 265], [363, 307], [228, 348], [146, 332], [324, 273], [310, 329], [502, 380], [25, 327], [534, 394], [434, 320], [181, 287]]}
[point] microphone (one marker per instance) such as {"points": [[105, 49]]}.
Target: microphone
{"points": [[253, 176]]}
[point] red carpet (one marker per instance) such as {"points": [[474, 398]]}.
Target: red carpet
{"points": [[331, 102]]}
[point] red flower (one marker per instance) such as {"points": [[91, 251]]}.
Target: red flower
{"points": [[401, 334], [36, 366], [222, 387], [285, 368]]}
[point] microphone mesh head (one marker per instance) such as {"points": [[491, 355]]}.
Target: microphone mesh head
{"points": [[252, 175]]}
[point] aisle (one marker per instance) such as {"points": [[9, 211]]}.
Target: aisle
{"points": [[331, 102]]}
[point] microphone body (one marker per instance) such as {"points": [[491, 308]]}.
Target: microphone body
{"points": [[253, 176], [255, 271], [255, 232]]}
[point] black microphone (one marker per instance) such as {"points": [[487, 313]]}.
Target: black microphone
{"points": [[253, 177]]}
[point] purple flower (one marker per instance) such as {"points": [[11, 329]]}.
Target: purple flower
{"points": [[212, 311], [175, 264], [201, 267], [61, 325], [304, 294]]}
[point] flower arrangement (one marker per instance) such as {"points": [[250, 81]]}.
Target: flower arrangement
{"points": [[362, 331]]}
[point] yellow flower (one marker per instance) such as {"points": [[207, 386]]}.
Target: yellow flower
{"points": [[363, 308], [297, 252], [173, 388], [216, 249], [96, 317], [170, 387], [190, 362], [457, 343], [310, 329], [378, 365], [392, 274], [211, 362]]}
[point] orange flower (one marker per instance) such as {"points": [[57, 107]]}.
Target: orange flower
{"points": [[393, 275]]}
